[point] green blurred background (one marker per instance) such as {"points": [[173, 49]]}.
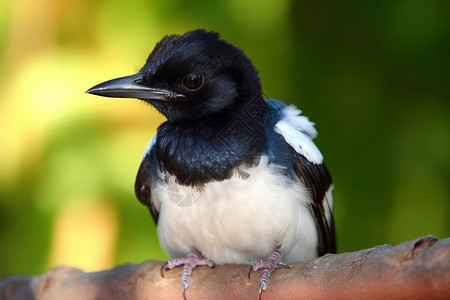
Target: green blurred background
{"points": [[373, 75]]}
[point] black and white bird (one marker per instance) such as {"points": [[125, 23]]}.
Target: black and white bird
{"points": [[229, 178]]}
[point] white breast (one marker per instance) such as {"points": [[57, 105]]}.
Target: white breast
{"points": [[237, 220]]}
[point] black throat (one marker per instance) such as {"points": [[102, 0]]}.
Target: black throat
{"points": [[214, 147]]}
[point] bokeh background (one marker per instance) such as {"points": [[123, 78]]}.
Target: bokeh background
{"points": [[373, 75]]}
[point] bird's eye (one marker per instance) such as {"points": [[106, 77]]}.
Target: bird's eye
{"points": [[193, 81]]}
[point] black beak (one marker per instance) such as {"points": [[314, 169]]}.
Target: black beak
{"points": [[131, 87]]}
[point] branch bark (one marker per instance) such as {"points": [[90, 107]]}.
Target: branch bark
{"points": [[418, 269]]}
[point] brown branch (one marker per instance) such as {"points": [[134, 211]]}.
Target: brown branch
{"points": [[418, 269]]}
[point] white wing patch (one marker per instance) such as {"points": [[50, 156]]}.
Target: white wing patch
{"points": [[327, 203], [298, 132]]}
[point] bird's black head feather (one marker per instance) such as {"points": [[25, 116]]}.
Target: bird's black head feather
{"points": [[228, 76]]}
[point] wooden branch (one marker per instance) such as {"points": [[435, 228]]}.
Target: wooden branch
{"points": [[418, 269]]}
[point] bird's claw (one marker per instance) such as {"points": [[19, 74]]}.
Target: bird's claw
{"points": [[183, 290], [163, 268], [193, 259], [284, 265], [261, 289], [268, 265], [256, 266]]}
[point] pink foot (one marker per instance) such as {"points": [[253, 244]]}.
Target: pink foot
{"points": [[268, 265], [193, 259]]}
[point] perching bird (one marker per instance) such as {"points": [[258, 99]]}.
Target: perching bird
{"points": [[229, 178]]}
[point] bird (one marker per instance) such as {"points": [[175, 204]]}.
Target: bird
{"points": [[230, 177]]}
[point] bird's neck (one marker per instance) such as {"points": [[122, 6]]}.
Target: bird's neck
{"points": [[213, 148]]}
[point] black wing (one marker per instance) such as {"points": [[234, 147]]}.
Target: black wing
{"points": [[146, 176], [318, 180], [298, 132]]}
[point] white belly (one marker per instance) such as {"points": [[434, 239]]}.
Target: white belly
{"points": [[238, 220]]}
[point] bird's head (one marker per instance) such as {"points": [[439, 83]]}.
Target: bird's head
{"points": [[190, 76]]}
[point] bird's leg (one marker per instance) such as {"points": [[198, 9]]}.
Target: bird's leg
{"points": [[193, 259], [268, 265]]}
